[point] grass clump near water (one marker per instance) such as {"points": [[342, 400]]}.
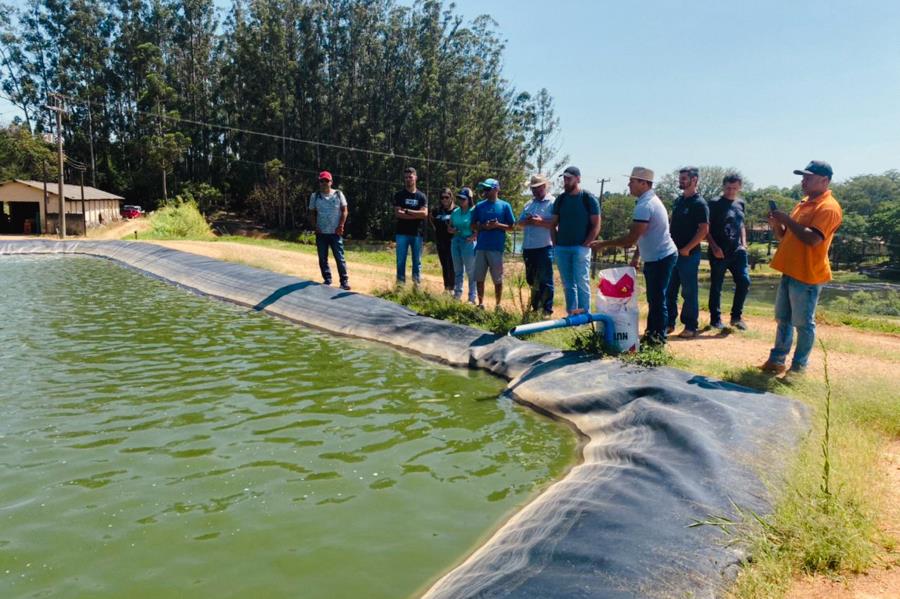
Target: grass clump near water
{"points": [[826, 519], [178, 219], [445, 307]]}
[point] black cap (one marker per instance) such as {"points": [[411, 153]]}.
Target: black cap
{"points": [[572, 170], [816, 167]]}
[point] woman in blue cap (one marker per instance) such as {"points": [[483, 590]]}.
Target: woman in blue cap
{"points": [[462, 246]]}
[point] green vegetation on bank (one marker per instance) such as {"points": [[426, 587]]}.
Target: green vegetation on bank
{"points": [[825, 521], [178, 219], [500, 321]]}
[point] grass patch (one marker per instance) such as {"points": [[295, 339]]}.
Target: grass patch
{"points": [[178, 219], [649, 356], [444, 307], [826, 519]]}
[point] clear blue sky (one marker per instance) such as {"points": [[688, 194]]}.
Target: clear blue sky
{"points": [[763, 86]]}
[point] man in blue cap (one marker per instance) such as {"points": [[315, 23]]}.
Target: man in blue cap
{"points": [[491, 218]]}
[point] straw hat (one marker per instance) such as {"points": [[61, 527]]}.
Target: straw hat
{"points": [[538, 180], [639, 172]]}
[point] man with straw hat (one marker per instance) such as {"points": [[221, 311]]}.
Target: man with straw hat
{"points": [[650, 231], [537, 244]]}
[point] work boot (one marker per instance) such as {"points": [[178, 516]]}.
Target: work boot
{"points": [[773, 367], [688, 333]]}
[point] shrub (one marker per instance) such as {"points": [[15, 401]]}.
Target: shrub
{"points": [[590, 341], [867, 303], [178, 219], [443, 307], [649, 356]]}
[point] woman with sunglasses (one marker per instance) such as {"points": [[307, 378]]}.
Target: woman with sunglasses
{"points": [[440, 220], [462, 246]]}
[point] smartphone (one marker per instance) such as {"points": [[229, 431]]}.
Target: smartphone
{"points": [[772, 206]]}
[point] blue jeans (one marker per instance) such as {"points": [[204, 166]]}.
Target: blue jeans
{"points": [[795, 306], [656, 278], [574, 264], [463, 254], [539, 275], [739, 268], [324, 241], [685, 277], [404, 244]]}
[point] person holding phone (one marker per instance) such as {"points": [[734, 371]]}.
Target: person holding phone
{"points": [[727, 241], [802, 257], [537, 244], [491, 219]]}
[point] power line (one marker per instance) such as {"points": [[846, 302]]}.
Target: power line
{"points": [[275, 136], [313, 171]]}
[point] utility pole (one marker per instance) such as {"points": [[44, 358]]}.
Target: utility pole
{"points": [[91, 138], [46, 206], [58, 109], [594, 252]]}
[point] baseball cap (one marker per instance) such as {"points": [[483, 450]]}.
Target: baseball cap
{"points": [[572, 170], [465, 192], [325, 175], [489, 184], [816, 167]]}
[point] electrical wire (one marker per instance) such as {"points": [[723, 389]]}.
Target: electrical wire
{"points": [[275, 136]]}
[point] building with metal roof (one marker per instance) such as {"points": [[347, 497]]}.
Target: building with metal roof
{"points": [[30, 207]]}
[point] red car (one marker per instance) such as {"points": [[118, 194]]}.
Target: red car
{"points": [[132, 211]]}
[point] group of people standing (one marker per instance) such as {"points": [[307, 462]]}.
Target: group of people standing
{"points": [[471, 240]]}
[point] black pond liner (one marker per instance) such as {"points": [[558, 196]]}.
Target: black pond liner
{"points": [[664, 448]]}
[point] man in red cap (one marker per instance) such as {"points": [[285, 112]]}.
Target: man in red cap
{"points": [[328, 210]]}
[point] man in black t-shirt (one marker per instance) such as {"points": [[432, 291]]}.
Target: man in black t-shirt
{"points": [[411, 210], [690, 225], [728, 251]]}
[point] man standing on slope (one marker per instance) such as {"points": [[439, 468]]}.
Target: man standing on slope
{"points": [[328, 210], [537, 244], [650, 230], [411, 210], [491, 218], [727, 241], [576, 219], [802, 258], [690, 226]]}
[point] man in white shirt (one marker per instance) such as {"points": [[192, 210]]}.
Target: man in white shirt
{"points": [[328, 211], [650, 230]]}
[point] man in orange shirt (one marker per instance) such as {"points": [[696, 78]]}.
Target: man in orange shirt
{"points": [[802, 258]]}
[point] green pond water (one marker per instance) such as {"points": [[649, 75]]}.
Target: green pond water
{"points": [[154, 443]]}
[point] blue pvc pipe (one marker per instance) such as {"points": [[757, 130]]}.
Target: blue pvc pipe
{"points": [[609, 328]]}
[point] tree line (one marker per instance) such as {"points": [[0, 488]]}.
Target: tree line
{"points": [[240, 108]]}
